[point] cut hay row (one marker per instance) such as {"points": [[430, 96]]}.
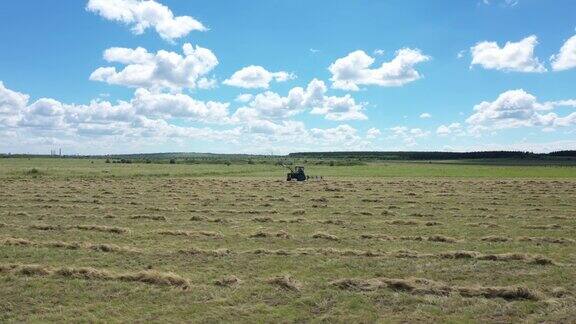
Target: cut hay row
{"points": [[190, 233], [544, 227], [149, 217], [420, 286], [100, 228], [263, 234], [412, 223], [228, 281], [99, 247], [432, 238], [415, 286], [148, 277], [401, 254], [285, 282], [95, 228], [490, 238]]}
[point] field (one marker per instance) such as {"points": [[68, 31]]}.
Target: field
{"points": [[81, 240]]}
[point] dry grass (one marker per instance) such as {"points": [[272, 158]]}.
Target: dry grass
{"points": [[325, 236], [509, 293], [110, 248], [544, 227], [285, 282], [101, 228], [100, 247], [176, 233], [535, 259], [494, 238], [541, 240], [149, 217], [262, 234], [228, 281], [149, 277], [43, 227], [262, 219], [156, 278], [420, 286], [485, 264], [216, 253]]}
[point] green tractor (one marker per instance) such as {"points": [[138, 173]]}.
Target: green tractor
{"points": [[296, 174]]}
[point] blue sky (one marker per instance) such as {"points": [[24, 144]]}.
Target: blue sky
{"points": [[111, 76]]}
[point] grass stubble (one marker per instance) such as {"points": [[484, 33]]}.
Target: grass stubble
{"points": [[259, 249]]}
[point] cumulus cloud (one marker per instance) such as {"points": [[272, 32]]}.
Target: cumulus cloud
{"points": [[425, 115], [244, 98], [281, 129], [164, 106], [11, 104], [162, 70], [340, 108], [144, 14], [146, 120], [566, 58], [504, 3], [341, 133], [270, 105], [11, 101], [103, 116], [408, 135], [517, 108], [373, 133], [353, 70], [252, 77], [512, 57], [444, 130]]}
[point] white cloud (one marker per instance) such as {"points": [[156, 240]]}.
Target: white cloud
{"points": [[444, 130], [253, 76], [270, 105], [425, 115], [373, 133], [11, 101], [165, 106], [504, 3], [513, 57], [340, 108], [144, 123], [244, 98], [281, 129], [522, 145], [341, 133], [517, 108], [163, 70], [205, 83], [566, 58], [144, 14], [47, 114], [353, 70], [408, 135]]}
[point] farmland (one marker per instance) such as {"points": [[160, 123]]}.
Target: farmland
{"points": [[85, 240]]}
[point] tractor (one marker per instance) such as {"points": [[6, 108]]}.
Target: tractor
{"points": [[296, 174]]}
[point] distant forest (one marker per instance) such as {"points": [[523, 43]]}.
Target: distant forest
{"points": [[433, 155], [327, 158]]}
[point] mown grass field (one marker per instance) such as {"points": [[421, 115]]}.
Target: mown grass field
{"points": [[83, 241]]}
